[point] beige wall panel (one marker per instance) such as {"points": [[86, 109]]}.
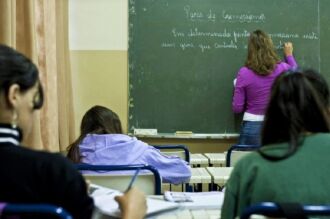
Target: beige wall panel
{"points": [[99, 78], [195, 145]]}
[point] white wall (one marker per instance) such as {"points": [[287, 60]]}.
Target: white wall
{"points": [[98, 24]]}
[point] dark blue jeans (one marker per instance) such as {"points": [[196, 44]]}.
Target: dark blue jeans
{"points": [[250, 133]]}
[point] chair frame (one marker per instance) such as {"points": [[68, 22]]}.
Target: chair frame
{"points": [[182, 147], [17, 209], [271, 209], [83, 166], [239, 147]]}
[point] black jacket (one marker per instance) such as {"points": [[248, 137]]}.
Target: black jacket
{"points": [[28, 176]]}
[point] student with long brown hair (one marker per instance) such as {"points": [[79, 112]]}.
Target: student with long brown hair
{"points": [[292, 164], [102, 142], [254, 81]]}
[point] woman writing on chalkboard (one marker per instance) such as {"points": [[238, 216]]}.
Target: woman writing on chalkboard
{"points": [[254, 81], [102, 142]]}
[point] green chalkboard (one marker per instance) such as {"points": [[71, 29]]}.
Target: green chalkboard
{"points": [[184, 55]]}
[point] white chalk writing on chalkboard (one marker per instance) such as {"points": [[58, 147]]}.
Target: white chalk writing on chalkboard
{"points": [[235, 39], [244, 17], [198, 15]]}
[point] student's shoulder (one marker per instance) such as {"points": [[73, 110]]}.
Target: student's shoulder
{"points": [[37, 153], [244, 171], [45, 158], [251, 162], [244, 70], [245, 73]]}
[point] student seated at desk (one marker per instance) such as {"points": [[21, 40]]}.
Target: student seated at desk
{"points": [[293, 163], [29, 176], [102, 142]]}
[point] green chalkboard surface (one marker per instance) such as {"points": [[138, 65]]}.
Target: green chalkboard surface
{"points": [[184, 55]]}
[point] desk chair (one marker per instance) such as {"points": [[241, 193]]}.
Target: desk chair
{"points": [[149, 180], [176, 150], [282, 210], [11, 210], [236, 152]]}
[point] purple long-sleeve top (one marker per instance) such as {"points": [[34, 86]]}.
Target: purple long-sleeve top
{"points": [[252, 91], [120, 149]]}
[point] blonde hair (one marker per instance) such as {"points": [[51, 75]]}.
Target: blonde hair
{"points": [[262, 57]]}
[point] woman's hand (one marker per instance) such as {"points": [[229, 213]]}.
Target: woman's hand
{"points": [[132, 204], [288, 49]]}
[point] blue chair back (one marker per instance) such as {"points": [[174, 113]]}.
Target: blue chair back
{"points": [[47, 210], [175, 148], [114, 168], [273, 210], [237, 147]]}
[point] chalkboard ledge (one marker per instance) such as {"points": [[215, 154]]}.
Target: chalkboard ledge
{"points": [[190, 136]]}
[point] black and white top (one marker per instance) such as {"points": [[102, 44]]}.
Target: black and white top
{"points": [[10, 135], [29, 176]]}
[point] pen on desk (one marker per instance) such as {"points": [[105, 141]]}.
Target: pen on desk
{"points": [[132, 180]]}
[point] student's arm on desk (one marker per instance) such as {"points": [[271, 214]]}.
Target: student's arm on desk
{"points": [[132, 204], [171, 168]]}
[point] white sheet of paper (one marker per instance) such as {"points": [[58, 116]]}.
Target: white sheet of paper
{"points": [[202, 200], [105, 202]]}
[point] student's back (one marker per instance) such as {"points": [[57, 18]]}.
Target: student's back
{"points": [[300, 178], [102, 142], [38, 177], [120, 149]]}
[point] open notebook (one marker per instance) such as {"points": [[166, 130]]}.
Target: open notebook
{"points": [[106, 204]]}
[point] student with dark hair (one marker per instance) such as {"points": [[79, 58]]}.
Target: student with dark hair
{"points": [[292, 165], [29, 176], [102, 142], [254, 81], [319, 83], [97, 120]]}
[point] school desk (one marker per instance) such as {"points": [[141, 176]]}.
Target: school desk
{"points": [[219, 175], [198, 160], [201, 178], [216, 159]]}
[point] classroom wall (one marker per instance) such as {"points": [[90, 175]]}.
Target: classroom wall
{"points": [[98, 43], [98, 37]]}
